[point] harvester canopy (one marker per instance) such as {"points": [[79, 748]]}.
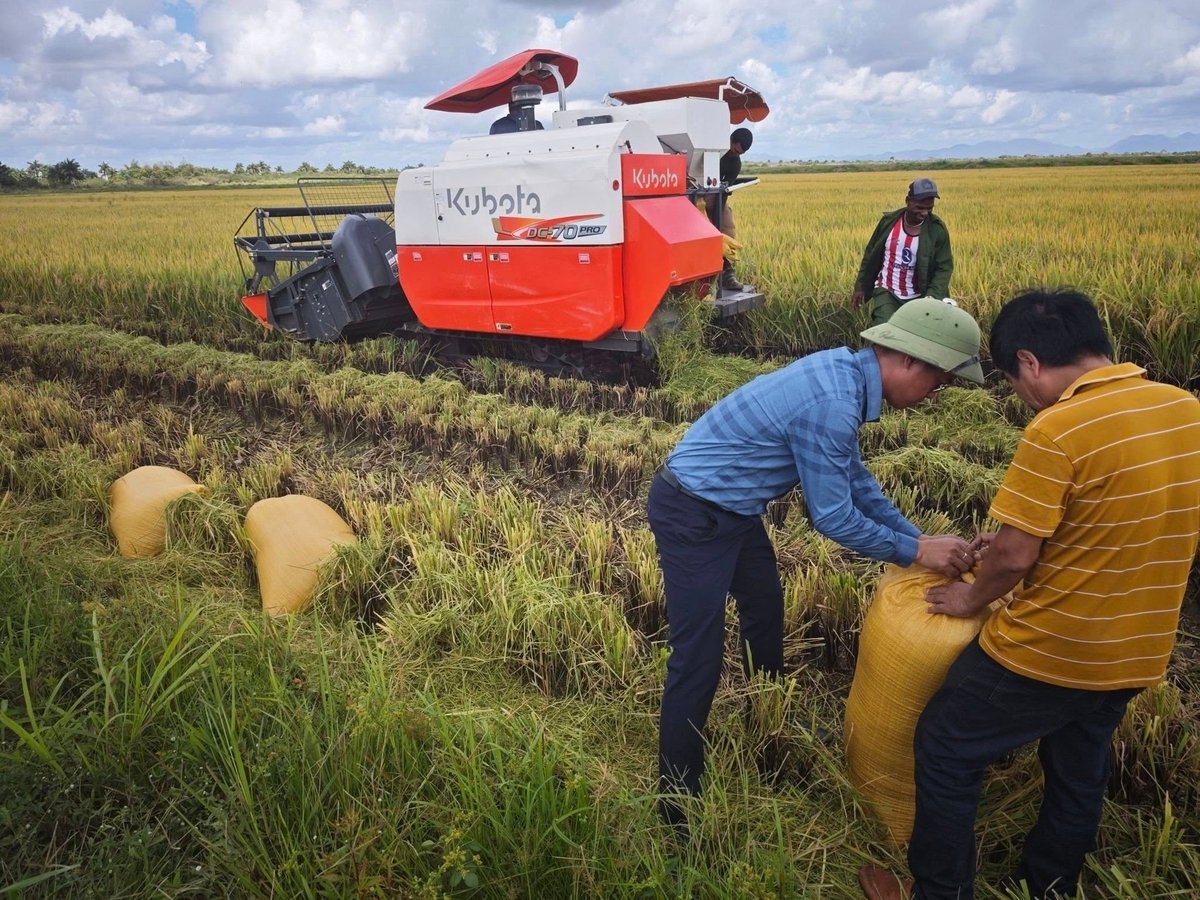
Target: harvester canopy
{"points": [[493, 86], [745, 103]]}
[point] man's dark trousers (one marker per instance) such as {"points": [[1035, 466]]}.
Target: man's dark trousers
{"points": [[982, 712], [706, 554]]}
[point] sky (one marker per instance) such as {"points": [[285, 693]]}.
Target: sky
{"points": [[217, 82]]}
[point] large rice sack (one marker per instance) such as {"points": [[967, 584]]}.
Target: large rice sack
{"points": [[137, 504], [903, 656], [290, 538]]}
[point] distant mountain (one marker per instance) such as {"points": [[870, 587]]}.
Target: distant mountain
{"points": [[1157, 143], [992, 149], [1140, 143]]}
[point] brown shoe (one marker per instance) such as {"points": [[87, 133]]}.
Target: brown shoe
{"points": [[880, 884]]}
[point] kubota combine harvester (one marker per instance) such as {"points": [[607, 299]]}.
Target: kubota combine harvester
{"points": [[562, 238]]}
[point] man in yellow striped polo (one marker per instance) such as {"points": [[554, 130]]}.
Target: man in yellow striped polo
{"points": [[1099, 515]]}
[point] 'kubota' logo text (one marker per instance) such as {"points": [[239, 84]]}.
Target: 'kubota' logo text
{"points": [[484, 201], [652, 179], [564, 228]]}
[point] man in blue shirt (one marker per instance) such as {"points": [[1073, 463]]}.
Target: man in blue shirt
{"points": [[795, 426]]}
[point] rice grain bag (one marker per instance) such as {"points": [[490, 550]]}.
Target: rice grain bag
{"points": [[137, 503], [290, 538], [903, 656]]}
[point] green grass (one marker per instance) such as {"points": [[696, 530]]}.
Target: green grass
{"points": [[471, 707]]}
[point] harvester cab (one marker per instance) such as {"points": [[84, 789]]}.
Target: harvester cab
{"points": [[570, 236]]}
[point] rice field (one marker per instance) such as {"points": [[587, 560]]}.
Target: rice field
{"points": [[470, 707]]}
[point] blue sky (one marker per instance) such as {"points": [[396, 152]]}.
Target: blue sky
{"points": [[215, 82]]}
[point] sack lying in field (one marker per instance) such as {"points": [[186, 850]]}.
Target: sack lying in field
{"points": [[290, 538], [903, 656], [137, 503]]}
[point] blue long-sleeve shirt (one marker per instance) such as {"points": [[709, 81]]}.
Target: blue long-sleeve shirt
{"points": [[799, 425]]}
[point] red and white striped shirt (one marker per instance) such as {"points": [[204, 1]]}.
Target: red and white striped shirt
{"points": [[898, 274]]}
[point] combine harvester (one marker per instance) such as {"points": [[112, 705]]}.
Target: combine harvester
{"points": [[558, 241]]}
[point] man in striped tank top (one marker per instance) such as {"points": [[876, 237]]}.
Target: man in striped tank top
{"points": [[908, 256], [1099, 516]]}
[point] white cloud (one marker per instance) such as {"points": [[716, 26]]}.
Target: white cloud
{"points": [[488, 41], [289, 42], [957, 22], [842, 77], [1003, 104], [211, 131], [894, 89], [10, 115], [1188, 63], [49, 117], [64, 20], [325, 125], [968, 97], [761, 76], [997, 59]]}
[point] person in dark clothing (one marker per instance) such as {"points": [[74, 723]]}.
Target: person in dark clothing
{"points": [[510, 123], [731, 168]]}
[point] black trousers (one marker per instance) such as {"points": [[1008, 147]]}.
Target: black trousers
{"points": [[707, 554], [981, 712]]}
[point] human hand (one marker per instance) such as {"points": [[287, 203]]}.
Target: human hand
{"points": [[856, 299], [945, 553], [980, 543], [950, 600]]}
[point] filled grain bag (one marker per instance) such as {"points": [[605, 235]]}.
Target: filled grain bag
{"points": [[290, 537], [903, 656], [137, 505]]}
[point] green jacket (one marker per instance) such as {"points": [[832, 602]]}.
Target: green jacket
{"points": [[935, 261]]}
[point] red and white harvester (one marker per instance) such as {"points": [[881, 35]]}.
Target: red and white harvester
{"points": [[565, 237]]}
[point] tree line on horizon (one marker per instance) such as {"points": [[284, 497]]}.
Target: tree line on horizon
{"points": [[69, 173]]}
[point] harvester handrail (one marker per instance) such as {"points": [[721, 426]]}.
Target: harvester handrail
{"points": [[341, 209], [252, 242]]}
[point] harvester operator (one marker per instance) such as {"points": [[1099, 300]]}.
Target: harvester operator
{"points": [[525, 97], [908, 256], [511, 123], [796, 426], [731, 167]]}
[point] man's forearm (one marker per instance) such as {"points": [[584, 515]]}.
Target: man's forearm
{"points": [[991, 584], [1008, 560]]}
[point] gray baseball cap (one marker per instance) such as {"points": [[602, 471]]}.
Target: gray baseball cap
{"points": [[923, 189], [934, 331]]}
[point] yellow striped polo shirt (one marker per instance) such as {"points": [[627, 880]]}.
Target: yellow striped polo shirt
{"points": [[1110, 476]]}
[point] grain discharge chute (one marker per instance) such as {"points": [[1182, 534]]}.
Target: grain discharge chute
{"points": [[562, 238]]}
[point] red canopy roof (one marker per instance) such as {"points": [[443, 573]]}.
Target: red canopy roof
{"points": [[745, 103], [493, 86]]}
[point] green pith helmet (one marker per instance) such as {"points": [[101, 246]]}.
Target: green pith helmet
{"points": [[933, 331]]}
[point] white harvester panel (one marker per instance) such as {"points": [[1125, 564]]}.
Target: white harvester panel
{"points": [[691, 125], [526, 188]]}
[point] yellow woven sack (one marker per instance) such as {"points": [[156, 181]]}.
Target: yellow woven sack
{"points": [[903, 656], [290, 537], [137, 502]]}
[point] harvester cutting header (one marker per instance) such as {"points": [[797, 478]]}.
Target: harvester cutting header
{"points": [[564, 237]]}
